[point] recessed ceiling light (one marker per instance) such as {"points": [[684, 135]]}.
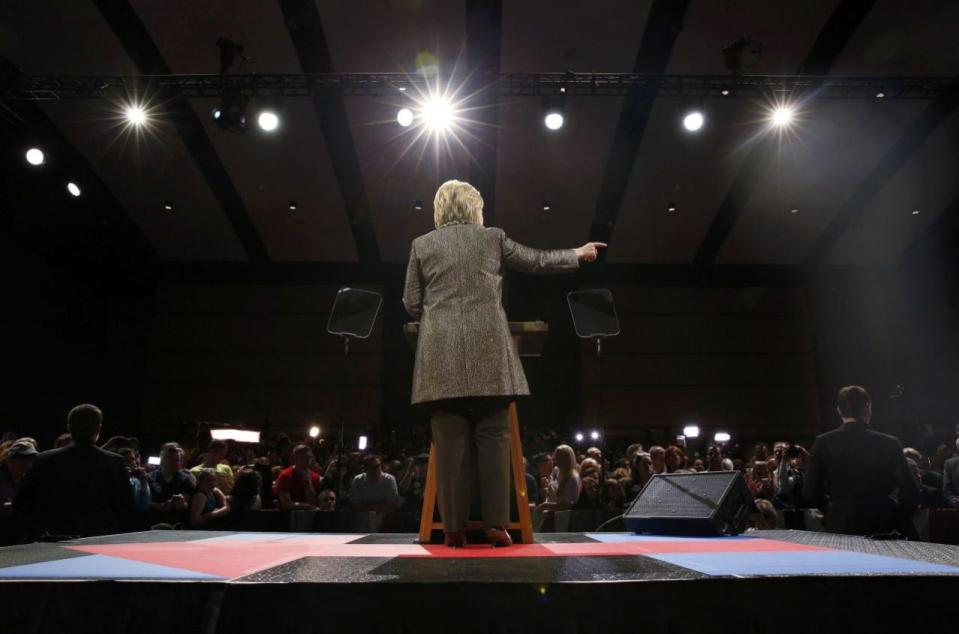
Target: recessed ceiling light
{"points": [[915, 212], [671, 207], [168, 205], [880, 95], [418, 205], [794, 210], [546, 206], [402, 89], [292, 205], [35, 156]]}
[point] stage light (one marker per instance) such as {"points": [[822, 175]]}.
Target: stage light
{"points": [[362, 444], [168, 205], [238, 435], [135, 114], [691, 431], [546, 207], [154, 460], [915, 212], [594, 435], [782, 116], [724, 92], [579, 437], [671, 207], [438, 114], [721, 436], [418, 205], [268, 121], [292, 205], [693, 121], [794, 210], [230, 115], [880, 95], [404, 117], [35, 156], [314, 431], [402, 88], [74, 189], [554, 120]]}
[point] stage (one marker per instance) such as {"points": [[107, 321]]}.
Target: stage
{"points": [[200, 581]]}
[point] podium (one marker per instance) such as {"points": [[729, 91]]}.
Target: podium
{"points": [[529, 337]]}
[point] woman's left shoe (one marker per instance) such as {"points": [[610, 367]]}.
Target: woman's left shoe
{"points": [[498, 537]]}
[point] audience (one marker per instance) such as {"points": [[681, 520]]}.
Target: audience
{"points": [[59, 495], [15, 460], [208, 502], [374, 490], [213, 459], [297, 485], [78, 489], [171, 486]]}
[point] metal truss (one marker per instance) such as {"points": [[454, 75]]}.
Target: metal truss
{"points": [[41, 88]]}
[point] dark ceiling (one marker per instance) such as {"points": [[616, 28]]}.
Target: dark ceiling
{"points": [[854, 169]]}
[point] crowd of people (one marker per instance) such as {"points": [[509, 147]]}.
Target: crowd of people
{"points": [[80, 487]]}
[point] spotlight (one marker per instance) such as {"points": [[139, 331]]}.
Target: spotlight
{"points": [[691, 431], [553, 120], [693, 121], [671, 207], [404, 117], [292, 205], [314, 431], [880, 95], [362, 443], [268, 121], [554, 109], [35, 156], [579, 437], [915, 212], [418, 205], [74, 189], [546, 207], [168, 205], [594, 435], [782, 116], [438, 114], [721, 436], [135, 114], [724, 92], [230, 115]]}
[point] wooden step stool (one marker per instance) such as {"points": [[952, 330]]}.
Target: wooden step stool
{"points": [[525, 523]]}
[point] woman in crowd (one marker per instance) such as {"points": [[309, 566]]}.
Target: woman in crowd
{"points": [[245, 495], [208, 503]]}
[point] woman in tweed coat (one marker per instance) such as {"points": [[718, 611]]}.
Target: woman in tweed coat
{"points": [[467, 367]]}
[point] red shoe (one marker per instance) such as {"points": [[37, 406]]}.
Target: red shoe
{"points": [[456, 539], [498, 537]]}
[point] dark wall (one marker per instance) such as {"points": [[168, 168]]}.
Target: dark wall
{"points": [[257, 355], [67, 339], [735, 359]]}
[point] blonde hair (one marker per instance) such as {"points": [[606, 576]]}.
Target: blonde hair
{"points": [[565, 474], [457, 202]]}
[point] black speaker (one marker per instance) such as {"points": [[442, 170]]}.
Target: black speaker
{"points": [[708, 503]]}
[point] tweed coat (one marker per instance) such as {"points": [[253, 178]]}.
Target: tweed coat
{"points": [[454, 286]]}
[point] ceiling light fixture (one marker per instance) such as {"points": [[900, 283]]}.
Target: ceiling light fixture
{"points": [[404, 117], [35, 156], [74, 189], [693, 121], [268, 121], [671, 207], [292, 205], [168, 205]]}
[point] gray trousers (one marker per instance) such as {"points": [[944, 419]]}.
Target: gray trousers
{"points": [[471, 434]]}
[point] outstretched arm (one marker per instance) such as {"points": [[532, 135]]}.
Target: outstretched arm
{"points": [[529, 260]]}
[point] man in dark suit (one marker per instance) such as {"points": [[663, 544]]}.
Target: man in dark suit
{"points": [[79, 489], [861, 472], [950, 480]]}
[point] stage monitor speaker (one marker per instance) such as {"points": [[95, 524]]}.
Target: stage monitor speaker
{"points": [[709, 503]]}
